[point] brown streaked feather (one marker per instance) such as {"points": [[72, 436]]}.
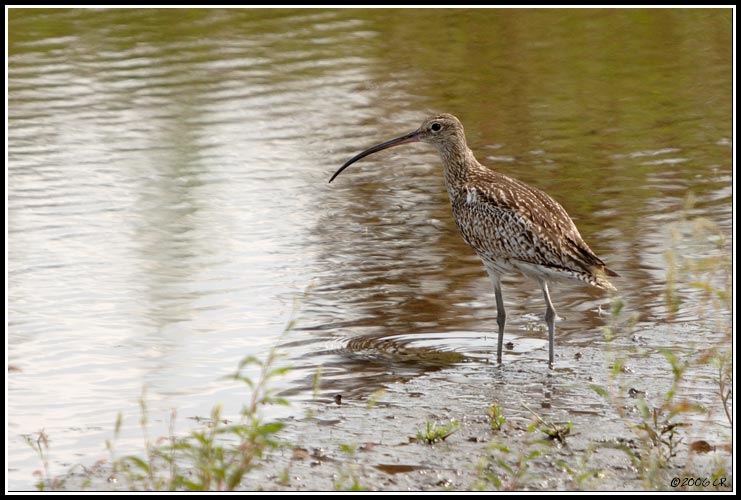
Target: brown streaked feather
{"points": [[502, 218]]}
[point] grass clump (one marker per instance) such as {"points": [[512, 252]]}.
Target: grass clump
{"points": [[553, 431], [434, 433], [215, 457], [506, 466], [496, 417]]}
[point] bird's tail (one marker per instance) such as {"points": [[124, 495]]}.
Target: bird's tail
{"points": [[600, 278]]}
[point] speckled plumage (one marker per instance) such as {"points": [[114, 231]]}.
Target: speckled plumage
{"points": [[510, 225]]}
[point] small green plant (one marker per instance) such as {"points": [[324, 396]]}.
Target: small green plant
{"points": [[661, 426], [218, 455], [39, 442], [658, 429], [583, 477], [434, 433], [214, 457], [375, 397], [40, 445], [506, 469], [496, 417], [553, 431], [660, 432], [348, 475], [724, 362]]}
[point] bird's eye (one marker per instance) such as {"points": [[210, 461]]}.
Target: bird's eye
{"points": [[436, 127]]}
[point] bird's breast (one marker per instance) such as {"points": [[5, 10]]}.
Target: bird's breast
{"points": [[499, 233]]}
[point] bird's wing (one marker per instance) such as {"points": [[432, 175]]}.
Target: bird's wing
{"points": [[505, 218]]}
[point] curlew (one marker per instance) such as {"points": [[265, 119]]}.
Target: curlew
{"points": [[511, 226]]}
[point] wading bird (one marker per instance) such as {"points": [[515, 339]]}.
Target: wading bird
{"points": [[510, 225]]}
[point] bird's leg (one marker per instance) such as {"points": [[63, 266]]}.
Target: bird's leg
{"points": [[501, 320], [550, 319], [501, 313]]}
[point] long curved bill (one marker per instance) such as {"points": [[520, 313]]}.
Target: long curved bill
{"points": [[404, 139]]}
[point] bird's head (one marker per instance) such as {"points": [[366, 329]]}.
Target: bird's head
{"points": [[441, 130]]}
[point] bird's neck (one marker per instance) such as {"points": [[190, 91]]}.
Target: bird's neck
{"points": [[459, 162]]}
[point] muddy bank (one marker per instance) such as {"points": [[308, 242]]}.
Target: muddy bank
{"points": [[359, 443], [578, 427]]}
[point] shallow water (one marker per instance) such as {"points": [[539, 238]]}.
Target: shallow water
{"points": [[168, 198]]}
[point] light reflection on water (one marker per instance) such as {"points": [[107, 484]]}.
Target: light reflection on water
{"points": [[168, 199]]}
